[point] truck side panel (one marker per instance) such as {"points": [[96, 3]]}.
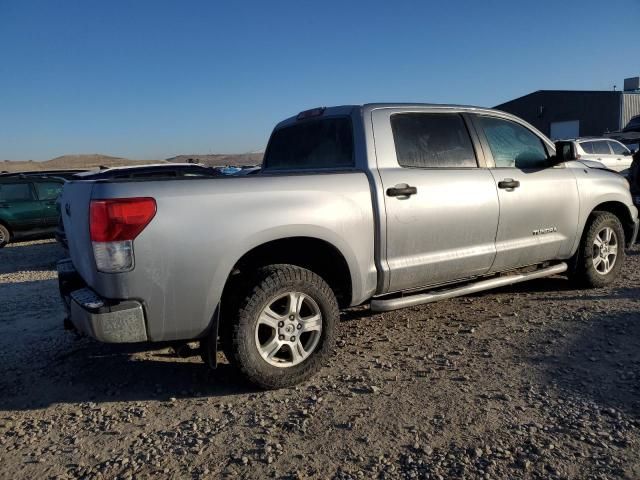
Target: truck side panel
{"points": [[204, 226]]}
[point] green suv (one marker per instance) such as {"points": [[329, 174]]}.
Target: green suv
{"points": [[28, 206]]}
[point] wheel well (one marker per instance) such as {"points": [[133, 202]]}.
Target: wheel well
{"points": [[313, 254], [621, 211]]}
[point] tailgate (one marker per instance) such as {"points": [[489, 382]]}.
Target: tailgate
{"points": [[74, 209]]}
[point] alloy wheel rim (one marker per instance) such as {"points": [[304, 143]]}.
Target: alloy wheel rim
{"points": [[288, 329], [605, 250]]}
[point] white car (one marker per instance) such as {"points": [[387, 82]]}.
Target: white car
{"points": [[613, 154]]}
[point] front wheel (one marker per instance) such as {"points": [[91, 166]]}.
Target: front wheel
{"points": [[601, 253], [284, 328]]}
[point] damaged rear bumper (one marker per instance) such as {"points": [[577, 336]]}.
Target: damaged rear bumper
{"points": [[110, 321]]}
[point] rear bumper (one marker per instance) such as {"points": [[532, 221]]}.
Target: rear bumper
{"points": [[110, 321], [634, 237]]}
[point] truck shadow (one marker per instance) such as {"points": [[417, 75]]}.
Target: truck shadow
{"points": [[600, 362], [97, 373], [568, 290]]}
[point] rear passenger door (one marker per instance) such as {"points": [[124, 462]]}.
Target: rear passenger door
{"points": [[48, 193], [19, 206], [539, 205], [441, 204]]}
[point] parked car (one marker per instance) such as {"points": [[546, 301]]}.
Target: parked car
{"points": [[389, 205], [611, 153], [633, 125], [156, 170], [28, 206], [250, 170]]}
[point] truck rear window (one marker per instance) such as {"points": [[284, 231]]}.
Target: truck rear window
{"points": [[311, 144]]}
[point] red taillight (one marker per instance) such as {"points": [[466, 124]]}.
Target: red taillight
{"points": [[120, 219]]}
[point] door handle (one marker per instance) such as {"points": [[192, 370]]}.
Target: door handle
{"points": [[401, 191], [508, 183]]}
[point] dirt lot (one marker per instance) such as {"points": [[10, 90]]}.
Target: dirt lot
{"points": [[534, 381]]}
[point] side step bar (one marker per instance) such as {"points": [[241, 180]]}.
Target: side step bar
{"points": [[386, 305]]}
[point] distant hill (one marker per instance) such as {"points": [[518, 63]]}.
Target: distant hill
{"points": [[82, 161], [91, 161], [95, 160], [220, 159]]}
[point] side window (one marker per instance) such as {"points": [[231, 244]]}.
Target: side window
{"points": [[432, 140], [15, 192], [617, 148], [601, 148], [587, 147], [48, 190], [512, 145]]}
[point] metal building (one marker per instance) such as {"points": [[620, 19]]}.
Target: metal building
{"points": [[571, 113]]}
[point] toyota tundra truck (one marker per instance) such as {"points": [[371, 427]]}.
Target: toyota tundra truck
{"points": [[390, 205]]}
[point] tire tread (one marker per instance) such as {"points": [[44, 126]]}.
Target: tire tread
{"points": [[266, 281]]}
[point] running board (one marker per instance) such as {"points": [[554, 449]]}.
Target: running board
{"points": [[386, 305]]}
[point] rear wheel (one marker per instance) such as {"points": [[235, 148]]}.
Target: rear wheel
{"points": [[601, 253], [5, 236], [284, 328]]}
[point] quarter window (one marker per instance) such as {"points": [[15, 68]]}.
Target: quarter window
{"points": [[512, 145], [432, 140], [15, 192]]}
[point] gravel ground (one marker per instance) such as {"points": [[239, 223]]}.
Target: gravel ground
{"points": [[534, 381]]}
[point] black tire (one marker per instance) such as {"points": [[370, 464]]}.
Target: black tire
{"points": [[5, 236], [584, 271], [270, 283]]}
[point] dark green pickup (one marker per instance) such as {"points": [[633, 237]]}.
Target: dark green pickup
{"points": [[28, 206]]}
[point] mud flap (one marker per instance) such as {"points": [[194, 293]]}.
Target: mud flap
{"points": [[209, 344]]}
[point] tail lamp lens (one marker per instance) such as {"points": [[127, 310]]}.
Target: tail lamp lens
{"points": [[120, 219], [114, 224]]}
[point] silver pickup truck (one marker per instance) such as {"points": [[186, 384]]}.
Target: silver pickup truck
{"points": [[387, 204]]}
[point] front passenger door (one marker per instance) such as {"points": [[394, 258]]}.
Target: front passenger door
{"points": [[621, 155], [539, 205]]}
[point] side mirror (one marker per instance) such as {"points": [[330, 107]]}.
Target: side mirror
{"points": [[565, 151]]}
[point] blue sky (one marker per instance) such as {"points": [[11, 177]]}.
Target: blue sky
{"points": [[151, 79]]}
